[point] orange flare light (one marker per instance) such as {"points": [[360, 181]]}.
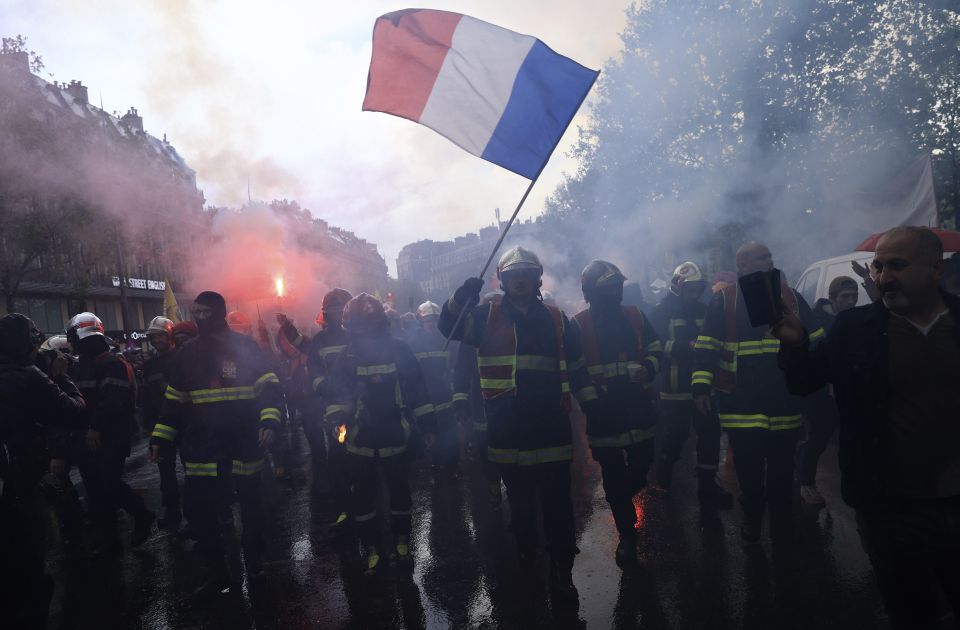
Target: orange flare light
{"points": [[279, 284], [341, 433]]}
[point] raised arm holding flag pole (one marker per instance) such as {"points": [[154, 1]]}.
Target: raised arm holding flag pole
{"points": [[502, 96]]}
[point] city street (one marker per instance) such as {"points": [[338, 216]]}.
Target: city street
{"points": [[693, 571]]}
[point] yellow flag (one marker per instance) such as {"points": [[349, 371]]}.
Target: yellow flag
{"points": [[376, 294], [171, 310]]}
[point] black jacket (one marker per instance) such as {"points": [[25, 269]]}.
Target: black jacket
{"points": [[156, 372], [30, 401], [678, 325], [854, 359]]}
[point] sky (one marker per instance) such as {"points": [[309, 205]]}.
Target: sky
{"points": [[272, 92]]}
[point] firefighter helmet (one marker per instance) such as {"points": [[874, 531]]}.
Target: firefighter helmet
{"points": [[685, 272], [160, 324], [335, 299], [517, 258], [239, 323], [364, 312], [597, 274], [84, 325], [56, 342], [428, 309]]}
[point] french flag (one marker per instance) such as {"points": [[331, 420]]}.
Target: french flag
{"points": [[502, 96]]}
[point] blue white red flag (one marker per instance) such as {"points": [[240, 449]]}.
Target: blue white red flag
{"points": [[500, 95]]}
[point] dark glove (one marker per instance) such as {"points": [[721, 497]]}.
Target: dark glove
{"points": [[469, 294]]}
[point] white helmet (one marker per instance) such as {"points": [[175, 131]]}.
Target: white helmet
{"points": [[160, 324], [685, 272], [85, 325], [56, 342], [428, 309]]}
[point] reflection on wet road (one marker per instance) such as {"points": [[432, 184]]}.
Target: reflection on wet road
{"points": [[693, 571]]}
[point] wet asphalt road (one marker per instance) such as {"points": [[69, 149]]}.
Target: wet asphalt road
{"points": [[693, 571]]}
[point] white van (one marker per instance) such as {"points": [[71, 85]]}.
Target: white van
{"points": [[815, 281]]}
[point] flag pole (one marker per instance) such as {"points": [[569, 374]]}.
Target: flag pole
{"points": [[496, 248]]}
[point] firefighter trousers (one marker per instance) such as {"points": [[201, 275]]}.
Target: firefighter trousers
{"points": [[102, 473], [169, 485], [764, 460], [491, 471], [624, 472], [338, 475], [820, 412], [204, 500], [365, 474], [678, 417], [446, 446], [550, 485]]}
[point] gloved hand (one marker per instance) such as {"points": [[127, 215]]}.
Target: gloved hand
{"points": [[469, 294]]}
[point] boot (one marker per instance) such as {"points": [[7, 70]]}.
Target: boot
{"points": [[217, 582], [562, 588], [664, 473], [373, 560], [710, 490], [402, 550], [142, 527], [626, 555]]}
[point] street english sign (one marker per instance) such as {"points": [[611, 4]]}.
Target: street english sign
{"points": [[140, 283]]}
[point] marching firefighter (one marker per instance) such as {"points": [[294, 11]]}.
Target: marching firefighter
{"points": [[107, 383], [523, 347], [184, 332], [376, 390], [326, 438], [678, 318], [155, 374], [408, 326], [222, 403], [738, 362], [468, 407], [622, 353], [29, 399], [428, 346]]}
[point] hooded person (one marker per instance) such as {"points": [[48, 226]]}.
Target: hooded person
{"points": [[222, 383], [107, 383], [31, 400]]}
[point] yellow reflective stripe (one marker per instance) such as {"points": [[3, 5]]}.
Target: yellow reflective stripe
{"points": [[323, 352], [442, 406], [668, 349], [175, 395], [669, 396], [164, 431], [222, 394], [423, 410], [269, 377], [373, 370], [654, 361], [365, 451], [760, 421], [247, 468], [317, 382], [332, 409], [817, 334], [674, 376], [702, 377], [633, 436], [564, 387], [459, 396], [198, 469], [587, 394], [532, 457], [763, 346], [269, 413], [654, 346], [502, 360], [496, 383], [707, 343]]}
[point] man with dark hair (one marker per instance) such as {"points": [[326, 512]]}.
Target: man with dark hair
{"points": [[893, 365], [30, 400]]}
